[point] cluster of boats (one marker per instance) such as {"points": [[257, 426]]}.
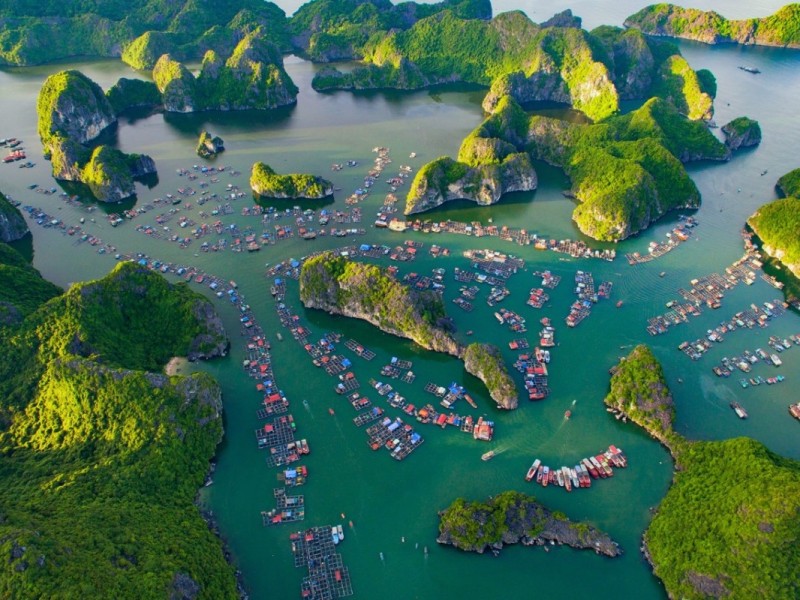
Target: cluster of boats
{"points": [[581, 475], [13, 155]]}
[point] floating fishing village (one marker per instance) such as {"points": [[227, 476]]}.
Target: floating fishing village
{"points": [[389, 404]]}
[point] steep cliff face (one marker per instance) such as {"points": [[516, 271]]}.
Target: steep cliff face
{"points": [[780, 29], [12, 223], [445, 179], [133, 93], [73, 106], [540, 86], [176, 84], [110, 173], [485, 361], [742, 133], [362, 291]]}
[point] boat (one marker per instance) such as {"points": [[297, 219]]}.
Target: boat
{"points": [[340, 531], [567, 478], [488, 455], [545, 475], [747, 69], [335, 535], [567, 414], [739, 410], [330, 412], [619, 303], [794, 410], [532, 470]]}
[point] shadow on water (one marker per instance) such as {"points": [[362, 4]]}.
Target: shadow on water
{"points": [[24, 246], [231, 121]]}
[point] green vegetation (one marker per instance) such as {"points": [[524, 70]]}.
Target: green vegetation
{"points": [[101, 460], [133, 93], [252, 77], [777, 224], [626, 171], [742, 132], [336, 30], [340, 286], [789, 184], [513, 56], [780, 29], [22, 288], [639, 390], [72, 113], [265, 182], [485, 361], [140, 31], [209, 146], [728, 526], [681, 86], [510, 517]]}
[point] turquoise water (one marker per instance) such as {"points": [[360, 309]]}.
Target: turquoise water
{"points": [[386, 500]]}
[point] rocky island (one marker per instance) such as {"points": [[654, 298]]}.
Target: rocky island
{"points": [[486, 362], [748, 525], [267, 183], [73, 114], [346, 287], [626, 171], [252, 77], [511, 518], [780, 29], [138, 31], [776, 224], [83, 400], [209, 146], [742, 132]]}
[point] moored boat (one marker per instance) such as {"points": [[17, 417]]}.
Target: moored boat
{"points": [[532, 470]]}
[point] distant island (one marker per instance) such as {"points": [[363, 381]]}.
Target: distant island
{"points": [[345, 287], [103, 453], [513, 517], [141, 31], [265, 182], [251, 77], [730, 516], [780, 29], [208, 146]]}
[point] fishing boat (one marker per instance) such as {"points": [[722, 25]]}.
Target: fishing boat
{"points": [[488, 455], [794, 410], [340, 531], [567, 414], [532, 470], [545, 475], [747, 69], [619, 303], [739, 410], [330, 412]]}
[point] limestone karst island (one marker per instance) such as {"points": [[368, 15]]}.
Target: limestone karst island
{"points": [[378, 299]]}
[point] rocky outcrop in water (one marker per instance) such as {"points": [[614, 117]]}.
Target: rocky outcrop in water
{"points": [[445, 179], [209, 146], [485, 361], [110, 174], [742, 133], [12, 223], [264, 181], [362, 291], [511, 518]]}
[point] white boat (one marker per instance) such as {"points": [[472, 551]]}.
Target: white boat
{"points": [[775, 360], [340, 531]]}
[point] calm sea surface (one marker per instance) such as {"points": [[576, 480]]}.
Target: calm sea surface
{"points": [[387, 501]]}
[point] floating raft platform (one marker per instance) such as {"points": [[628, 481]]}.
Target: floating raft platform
{"points": [[368, 417], [279, 431], [328, 578], [359, 350]]}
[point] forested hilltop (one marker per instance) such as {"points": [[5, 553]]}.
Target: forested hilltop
{"points": [[142, 30], [780, 29], [728, 526], [101, 454]]}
